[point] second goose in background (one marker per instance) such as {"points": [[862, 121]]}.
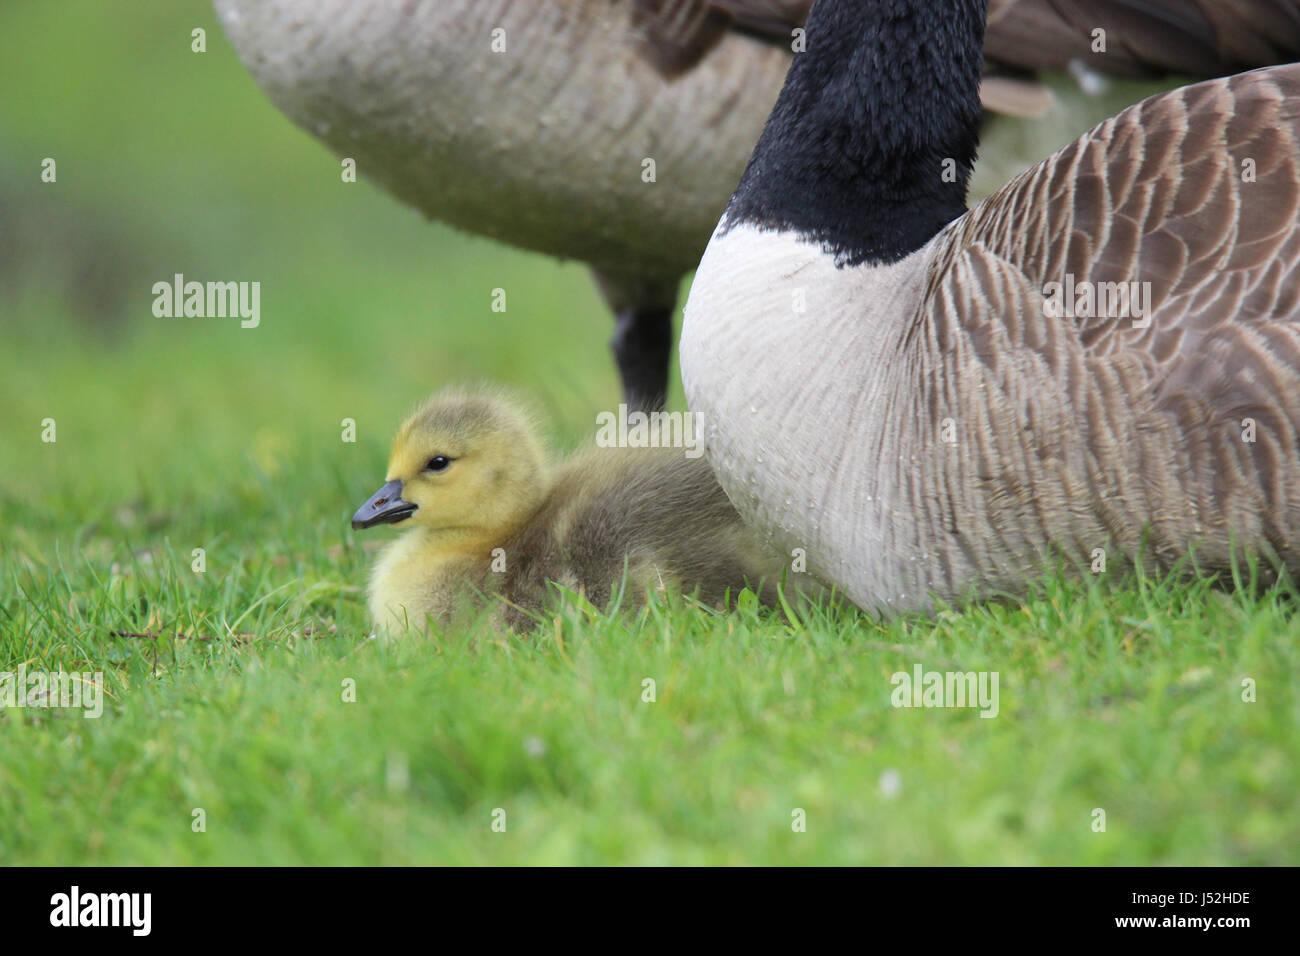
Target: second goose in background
{"points": [[533, 122], [1102, 356]]}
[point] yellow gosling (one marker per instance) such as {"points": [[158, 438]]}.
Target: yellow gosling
{"points": [[484, 515]]}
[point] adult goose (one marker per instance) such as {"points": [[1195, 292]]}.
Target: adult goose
{"points": [[532, 122], [930, 401]]}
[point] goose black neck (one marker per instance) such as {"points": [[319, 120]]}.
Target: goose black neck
{"points": [[870, 146]]}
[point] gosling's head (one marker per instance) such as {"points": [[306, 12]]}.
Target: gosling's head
{"points": [[464, 461]]}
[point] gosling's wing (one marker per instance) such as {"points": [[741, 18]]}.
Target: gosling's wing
{"points": [[655, 515]]}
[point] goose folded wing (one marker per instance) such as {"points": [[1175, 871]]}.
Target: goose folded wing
{"points": [[678, 34], [1144, 37], [1194, 196]]}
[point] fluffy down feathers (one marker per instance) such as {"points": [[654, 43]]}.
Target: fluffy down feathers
{"points": [[492, 521]]}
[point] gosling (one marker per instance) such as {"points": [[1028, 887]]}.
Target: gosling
{"points": [[489, 519]]}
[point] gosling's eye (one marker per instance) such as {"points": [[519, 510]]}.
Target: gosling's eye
{"points": [[438, 463]]}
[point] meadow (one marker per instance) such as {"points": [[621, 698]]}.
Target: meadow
{"points": [[253, 691]]}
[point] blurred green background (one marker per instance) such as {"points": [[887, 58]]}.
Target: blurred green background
{"points": [[173, 161]]}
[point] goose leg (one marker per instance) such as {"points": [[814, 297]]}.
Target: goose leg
{"points": [[643, 335], [642, 345]]}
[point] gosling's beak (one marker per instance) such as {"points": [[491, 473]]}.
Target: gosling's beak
{"points": [[384, 507]]}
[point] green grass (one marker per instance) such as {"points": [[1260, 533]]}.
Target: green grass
{"points": [[179, 434]]}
